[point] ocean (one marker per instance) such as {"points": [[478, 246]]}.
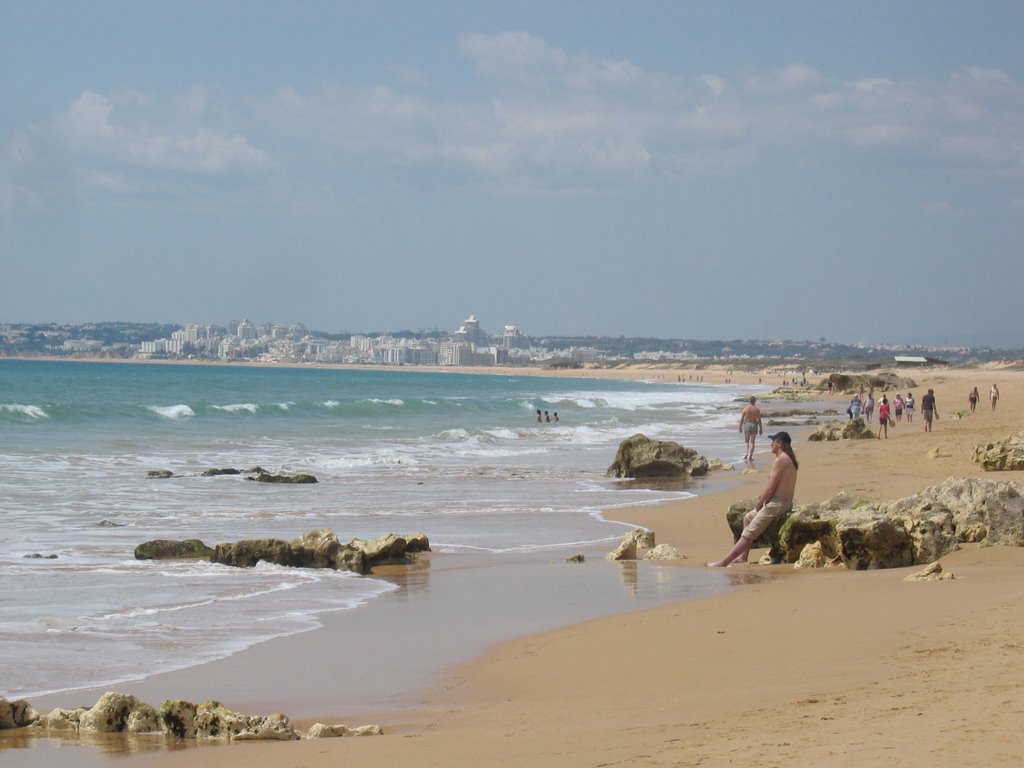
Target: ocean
{"points": [[459, 457]]}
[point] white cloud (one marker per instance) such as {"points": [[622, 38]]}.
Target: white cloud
{"points": [[989, 76], [880, 134], [714, 83], [99, 131], [872, 84], [793, 77], [542, 116]]}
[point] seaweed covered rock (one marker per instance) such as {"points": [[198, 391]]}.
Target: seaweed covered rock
{"points": [[641, 457], [322, 549], [247, 552], [172, 549], [299, 479]]}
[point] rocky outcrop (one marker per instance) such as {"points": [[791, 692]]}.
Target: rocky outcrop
{"points": [[247, 552], [322, 731], [933, 572], [322, 549], [637, 539], [173, 549], [881, 381], [641, 457], [852, 429], [313, 549], [16, 714], [215, 472], [212, 720], [159, 473], [299, 479], [1006, 454], [909, 531], [664, 552], [815, 556], [177, 719], [625, 551], [112, 713]]}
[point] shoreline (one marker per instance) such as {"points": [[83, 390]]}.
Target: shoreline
{"points": [[515, 685], [697, 372]]}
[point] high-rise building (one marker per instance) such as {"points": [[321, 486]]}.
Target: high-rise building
{"points": [[471, 332]]}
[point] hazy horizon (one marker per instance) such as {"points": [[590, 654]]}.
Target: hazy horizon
{"points": [[741, 170]]}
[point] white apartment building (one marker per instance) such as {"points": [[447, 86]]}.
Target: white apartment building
{"points": [[246, 331], [454, 353]]}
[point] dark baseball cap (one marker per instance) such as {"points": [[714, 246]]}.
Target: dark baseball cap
{"points": [[783, 436]]}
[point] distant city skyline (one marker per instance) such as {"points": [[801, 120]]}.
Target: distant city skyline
{"points": [[748, 170]]}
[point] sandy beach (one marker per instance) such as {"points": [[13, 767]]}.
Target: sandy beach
{"points": [[827, 666]]}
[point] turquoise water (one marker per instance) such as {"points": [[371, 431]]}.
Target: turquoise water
{"points": [[458, 457]]}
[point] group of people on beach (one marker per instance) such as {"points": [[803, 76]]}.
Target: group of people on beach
{"points": [[547, 417], [973, 397], [892, 414], [777, 497]]}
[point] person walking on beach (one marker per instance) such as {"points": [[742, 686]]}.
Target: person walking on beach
{"points": [[909, 403], [854, 410], [750, 427], [972, 398], [897, 406], [869, 406], [929, 409], [883, 418], [776, 500], [993, 396]]}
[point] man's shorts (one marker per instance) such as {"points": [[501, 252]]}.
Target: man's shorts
{"points": [[754, 524]]}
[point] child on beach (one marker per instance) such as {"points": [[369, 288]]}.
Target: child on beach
{"points": [[909, 406], [883, 418]]}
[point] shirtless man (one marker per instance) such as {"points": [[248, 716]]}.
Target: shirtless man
{"points": [[750, 427], [776, 500]]}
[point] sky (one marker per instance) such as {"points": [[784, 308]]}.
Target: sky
{"points": [[852, 171]]}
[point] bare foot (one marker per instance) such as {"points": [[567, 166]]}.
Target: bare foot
{"points": [[718, 564]]}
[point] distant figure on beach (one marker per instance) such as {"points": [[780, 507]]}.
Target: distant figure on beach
{"points": [[854, 410], [547, 416], [539, 419], [555, 416], [909, 404], [869, 406], [929, 409], [750, 427], [883, 418], [776, 500], [993, 396], [897, 407], [972, 399]]}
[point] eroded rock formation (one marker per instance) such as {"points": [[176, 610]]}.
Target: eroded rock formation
{"points": [[914, 530], [640, 456]]}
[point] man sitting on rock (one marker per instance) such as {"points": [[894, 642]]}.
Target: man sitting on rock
{"points": [[776, 500]]}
